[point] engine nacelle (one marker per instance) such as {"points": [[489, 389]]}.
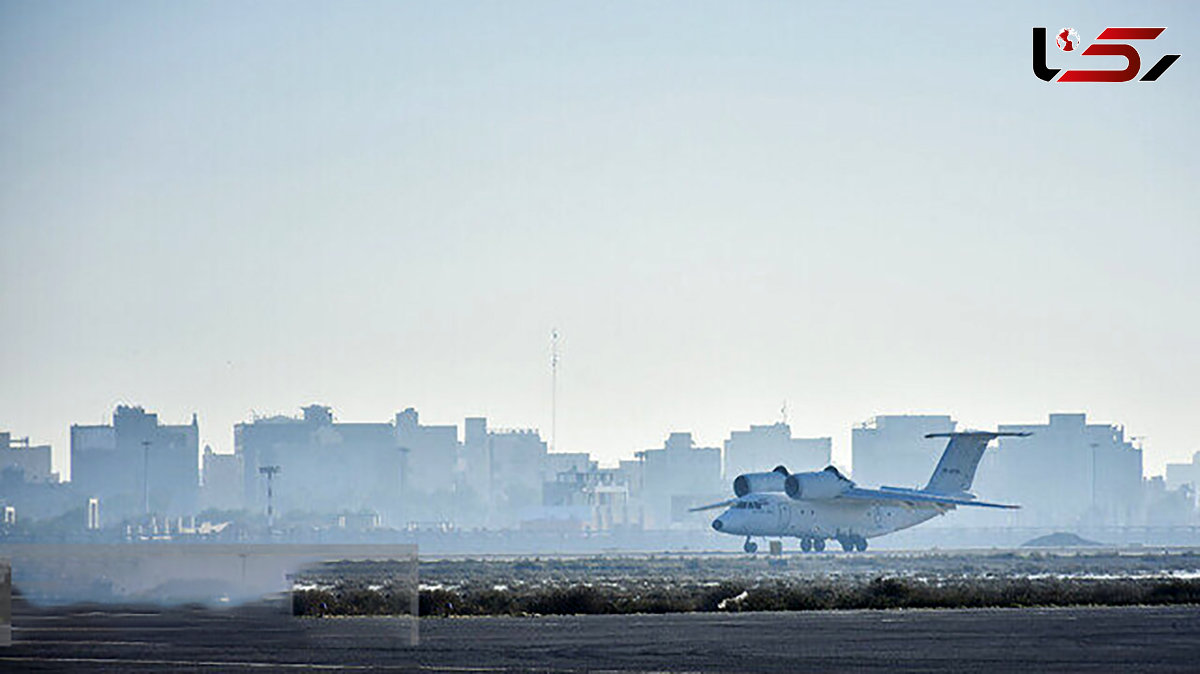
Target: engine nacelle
{"points": [[822, 484], [751, 483]]}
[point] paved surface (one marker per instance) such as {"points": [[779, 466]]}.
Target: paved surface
{"points": [[1033, 640]]}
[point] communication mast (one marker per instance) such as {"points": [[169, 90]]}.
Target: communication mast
{"points": [[553, 388]]}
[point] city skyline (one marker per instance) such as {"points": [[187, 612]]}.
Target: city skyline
{"points": [[209, 208], [460, 427], [402, 473]]}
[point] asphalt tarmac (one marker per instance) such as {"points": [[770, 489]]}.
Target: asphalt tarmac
{"points": [[261, 638]]}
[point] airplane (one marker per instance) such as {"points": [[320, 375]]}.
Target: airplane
{"points": [[825, 504]]}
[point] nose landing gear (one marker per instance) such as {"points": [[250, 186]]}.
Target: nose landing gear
{"points": [[750, 546]]}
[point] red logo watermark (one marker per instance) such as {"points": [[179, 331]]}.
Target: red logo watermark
{"points": [[1110, 42]]}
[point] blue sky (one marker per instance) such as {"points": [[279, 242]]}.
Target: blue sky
{"points": [[237, 207]]}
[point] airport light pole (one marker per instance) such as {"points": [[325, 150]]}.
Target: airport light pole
{"points": [[270, 472]]}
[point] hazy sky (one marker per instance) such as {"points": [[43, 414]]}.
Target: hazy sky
{"points": [[225, 207]]}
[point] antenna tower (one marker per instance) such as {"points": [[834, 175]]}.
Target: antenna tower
{"points": [[553, 388]]}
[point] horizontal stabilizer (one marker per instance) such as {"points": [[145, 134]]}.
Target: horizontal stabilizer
{"points": [[989, 434], [712, 506], [915, 497]]}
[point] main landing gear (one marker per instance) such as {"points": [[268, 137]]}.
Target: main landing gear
{"points": [[850, 543], [812, 544], [853, 543]]}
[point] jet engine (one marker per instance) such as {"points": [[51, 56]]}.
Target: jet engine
{"points": [[821, 484], [760, 482]]}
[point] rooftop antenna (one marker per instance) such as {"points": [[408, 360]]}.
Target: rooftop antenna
{"points": [[553, 388], [270, 472], [783, 412]]}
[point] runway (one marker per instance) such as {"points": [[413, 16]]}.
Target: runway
{"points": [[253, 639]]}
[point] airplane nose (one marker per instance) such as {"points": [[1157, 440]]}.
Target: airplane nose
{"points": [[717, 524]]}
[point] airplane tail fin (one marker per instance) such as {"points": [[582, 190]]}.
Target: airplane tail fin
{"points": [[956, 470]]}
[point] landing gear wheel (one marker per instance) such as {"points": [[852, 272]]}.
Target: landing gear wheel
{"points": [[847, 545], [806, 544], [819, 544], [861, 545], [750, 546]]}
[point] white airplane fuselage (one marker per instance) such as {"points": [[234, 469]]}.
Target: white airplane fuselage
{"points": [[777, 515], [821, 505]]}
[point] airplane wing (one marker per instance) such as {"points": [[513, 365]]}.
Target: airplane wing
{"points": [[913, 497], [713, 506]]}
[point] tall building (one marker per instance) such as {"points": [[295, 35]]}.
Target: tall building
{"points": [[630, 474], [593, 498], [1068, 472], [762, 448], [567, 462], [28, 463], [29, 488], [518, 463], [893, 450], [1168, 507], [324, 466], [222, 481], [137, 464], [676, 477], [432, 454], [500, 475], [1185, 475], [475, 470]]}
